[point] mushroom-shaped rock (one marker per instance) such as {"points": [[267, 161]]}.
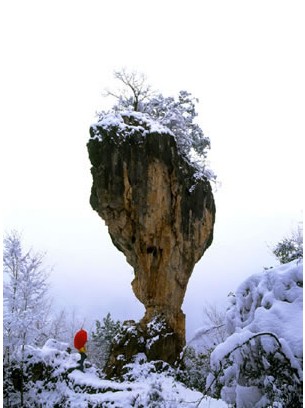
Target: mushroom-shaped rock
{"points": [[159, 213]]}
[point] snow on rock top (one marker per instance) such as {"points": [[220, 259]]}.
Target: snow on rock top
{"points": [[127, 123]]}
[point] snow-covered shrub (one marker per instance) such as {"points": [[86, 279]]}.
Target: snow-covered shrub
{"points": [[141, 368], [290, 248], [155, 398], [42, 371], [194, 368], [260, 363], [195, 364]]}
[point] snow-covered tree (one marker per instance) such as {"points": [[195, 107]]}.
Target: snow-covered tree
{"points": [[26, 302], [102, 339], [59, 327], [25, 294], [260, 363], [290, 248], [176, 114]]}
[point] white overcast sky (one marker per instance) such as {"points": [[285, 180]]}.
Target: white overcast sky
{"points": [[243, 60]]}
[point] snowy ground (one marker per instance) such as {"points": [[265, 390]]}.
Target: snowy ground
{"points": [[60, 384], [158, 389]]}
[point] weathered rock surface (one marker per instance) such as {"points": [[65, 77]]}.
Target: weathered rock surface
{"points": [[158, 213]]}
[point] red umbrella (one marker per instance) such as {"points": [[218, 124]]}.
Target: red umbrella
{"points": [[80, 339]]}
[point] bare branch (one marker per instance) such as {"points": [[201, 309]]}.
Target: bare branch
{"points": [[135, 89]]}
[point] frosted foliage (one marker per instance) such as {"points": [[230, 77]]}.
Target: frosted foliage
{"points": [[260, 363], [24, 296], [101, 340], [166, 115], [196, 355], [290, 248], [178, 115]]}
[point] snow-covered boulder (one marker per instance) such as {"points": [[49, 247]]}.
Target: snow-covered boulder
{"points": [[260, 363]]}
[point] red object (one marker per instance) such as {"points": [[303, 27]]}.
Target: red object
{"points": [[80, 339]]}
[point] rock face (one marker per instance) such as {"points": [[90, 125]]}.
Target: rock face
{"points": [[158, 213]]}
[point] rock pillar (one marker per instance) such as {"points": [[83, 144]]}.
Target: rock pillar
{"points": [[158, 213]]}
